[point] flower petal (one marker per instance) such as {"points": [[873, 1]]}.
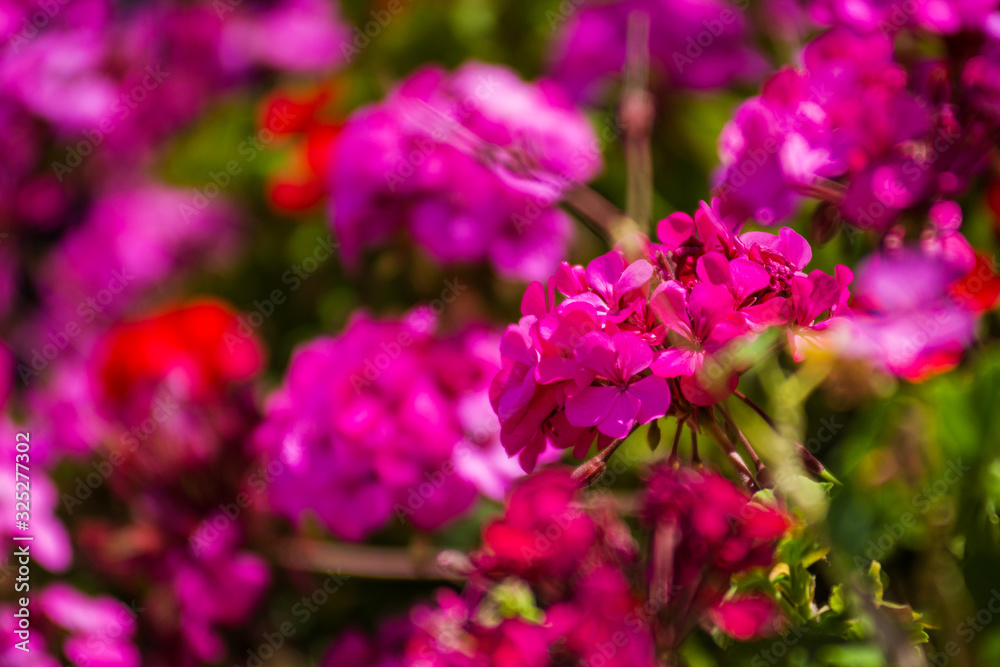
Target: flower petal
{"points": [[654, 397], [591, 405]]}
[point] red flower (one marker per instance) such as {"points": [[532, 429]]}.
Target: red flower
{"points": [[704, 530], [544, 532], [304, 181], [197, 350]]}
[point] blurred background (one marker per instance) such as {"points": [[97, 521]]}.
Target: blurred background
{"points": [[206, 266]]}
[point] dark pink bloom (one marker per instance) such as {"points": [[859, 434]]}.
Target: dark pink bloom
{"points": [[450, 635], [215, 584], [518, 544], [940, 16], [704, 530], [604, 608], [355, 648], [565, 560], [746, 618], [856, 129]]}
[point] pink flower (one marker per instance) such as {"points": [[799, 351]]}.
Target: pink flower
{"points": [[345, 419], [701, 323], [354, 648], [215, 584], [909, 323], [615, 408], [628, 336], [444, 158], [812, 296], [100, 628]]}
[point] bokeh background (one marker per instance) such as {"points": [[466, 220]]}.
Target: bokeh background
{"points": [[168, 239]]}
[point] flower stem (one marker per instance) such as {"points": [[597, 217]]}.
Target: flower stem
{"points": [[695, 459], [637, 113], [591, 471], [763, 474], [734, 458], [810, 462], [674, 459]]}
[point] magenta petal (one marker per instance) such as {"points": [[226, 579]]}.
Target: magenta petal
{"points": [[603, 272], [748, 277], [794, 248], [595, 353], [633, 355], [745, 618], [669, 302], [517, 346], [675, 229], [635, 276], [676, 362], [516, 397], [713, 268], [556, 369], [946, 215], [704, 391], [621, 418], [708, 305], [654, 395], [533, 302], [590, 405], [768, 314]]}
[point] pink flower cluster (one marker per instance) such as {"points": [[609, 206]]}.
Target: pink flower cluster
{"points": [[693, 44], [856, 128], [629, 340], [345, 421], [555, 580], [888, 17], [470, 163], [98, 630]]}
